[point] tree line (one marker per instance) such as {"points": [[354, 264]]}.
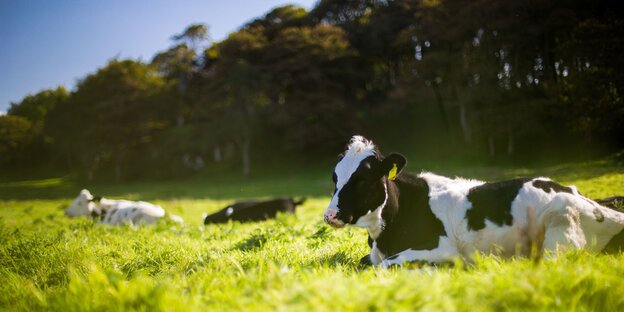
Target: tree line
{"points": [[468, 78]]}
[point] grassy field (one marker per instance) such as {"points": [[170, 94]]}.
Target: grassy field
{"points": [[49, 262]]}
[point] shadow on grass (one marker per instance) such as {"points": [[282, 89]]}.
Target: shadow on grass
{"points": [[254, 241], [340, 258]]}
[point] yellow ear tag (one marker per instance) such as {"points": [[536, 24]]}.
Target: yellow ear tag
{"points": [[393, 172]]}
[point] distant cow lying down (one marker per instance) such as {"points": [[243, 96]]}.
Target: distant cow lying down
{"points": [[431, 218], [116, 212], [615, 202], [252, 210]]}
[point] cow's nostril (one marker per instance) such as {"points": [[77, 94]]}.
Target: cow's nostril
{"points": [[329, 216]]}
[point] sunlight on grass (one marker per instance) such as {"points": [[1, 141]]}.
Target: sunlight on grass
{"points": [[293, 263], [35, 183]]}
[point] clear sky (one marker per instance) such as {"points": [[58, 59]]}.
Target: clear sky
{"points": [[46, 43]]}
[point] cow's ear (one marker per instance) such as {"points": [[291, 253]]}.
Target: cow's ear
{"points": [[96, 199], [392, 165], [340, 156]]}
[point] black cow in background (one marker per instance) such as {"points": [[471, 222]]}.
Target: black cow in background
{"points": [[253, 210], [615, 202]]}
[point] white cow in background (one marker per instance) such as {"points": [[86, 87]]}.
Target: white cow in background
{"points": [[116, 212]]}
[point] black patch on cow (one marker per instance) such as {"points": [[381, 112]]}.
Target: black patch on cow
{"points": [[96, 199], [549, 186], [599, 216], [492, 201], [136, 218], [98, 215], [366, 261], [616, 244], [409, 221], [106, 217]]}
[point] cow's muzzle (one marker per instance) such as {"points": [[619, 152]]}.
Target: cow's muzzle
{"points": [[331, 218]]}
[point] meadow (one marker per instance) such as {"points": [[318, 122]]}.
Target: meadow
{"points": [[295, 262]]}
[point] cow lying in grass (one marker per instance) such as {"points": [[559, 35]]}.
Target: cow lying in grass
{"points": [[435, 219], [116, 212], [252, 210]]}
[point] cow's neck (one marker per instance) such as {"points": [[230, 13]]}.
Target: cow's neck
{"points": [[391, 208], [375, 222], [99, 210]]}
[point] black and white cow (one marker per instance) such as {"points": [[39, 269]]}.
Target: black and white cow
{"points": [[254, 210], [435, 219], [116, 212]]}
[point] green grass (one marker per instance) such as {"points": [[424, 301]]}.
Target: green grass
{"points": [[49, 262]]}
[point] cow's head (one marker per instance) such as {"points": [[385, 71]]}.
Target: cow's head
{"points": [[360, 178], [83, 205]]}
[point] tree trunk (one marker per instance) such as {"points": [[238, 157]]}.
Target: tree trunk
{"points": [[463, 119], [217, 154], [117, 168], [510, 145], [70, 161], [93, 168], [441, 109], [90, 175], [245, 154]]}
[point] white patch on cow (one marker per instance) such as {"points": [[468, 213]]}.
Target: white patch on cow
{"points": [[445, 252], [376, 256], [359, 149], [448, 202], [372, 221], [229, 211]]}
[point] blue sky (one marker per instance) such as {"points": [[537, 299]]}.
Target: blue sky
{"points": [[49, 43]]}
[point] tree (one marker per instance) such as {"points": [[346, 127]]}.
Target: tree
{"points": [[193, 35], [112, 114], [36, 107], [15, 136], [312, 68], [180, 63], [238, 88]]}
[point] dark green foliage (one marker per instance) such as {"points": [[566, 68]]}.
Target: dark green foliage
{"points": [[16, 134], [443, 80]]}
